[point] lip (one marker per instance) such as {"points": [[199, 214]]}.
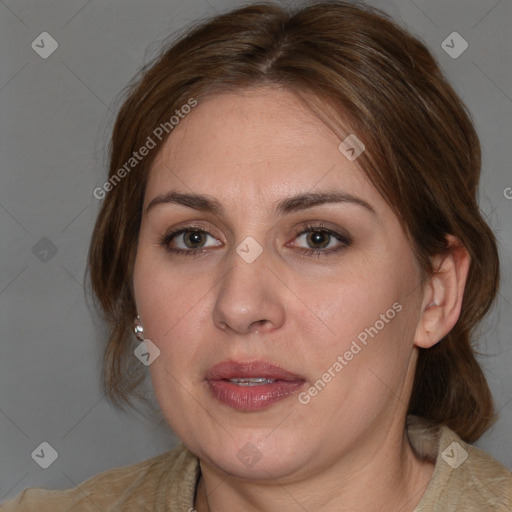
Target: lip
{"points": [[251, 398]]}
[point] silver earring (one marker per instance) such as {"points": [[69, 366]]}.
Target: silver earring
{"points": [[138, 329]]}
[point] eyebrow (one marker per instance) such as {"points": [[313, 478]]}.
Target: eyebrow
{"points": [[291, 204]]}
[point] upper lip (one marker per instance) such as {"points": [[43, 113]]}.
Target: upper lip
{"points": [[236, 369]]}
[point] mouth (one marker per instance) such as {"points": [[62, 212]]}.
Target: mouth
{"points": [[251, 386]]}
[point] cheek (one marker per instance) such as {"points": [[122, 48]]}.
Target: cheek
{"points": [[173, 312], [369, 313], [163, 297], [354, 300], [361, 366]]}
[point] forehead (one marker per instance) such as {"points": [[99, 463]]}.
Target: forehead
{"points": [[259, 144]]}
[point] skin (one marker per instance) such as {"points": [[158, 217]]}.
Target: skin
{"points": [[345, 449]]}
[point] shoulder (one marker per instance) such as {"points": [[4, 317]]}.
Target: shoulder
{"points": [[167, 480], [465, 477]]}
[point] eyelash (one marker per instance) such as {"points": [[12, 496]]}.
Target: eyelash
{"points": [[167, 238]]}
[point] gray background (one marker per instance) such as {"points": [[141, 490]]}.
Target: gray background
{"points": [[55, 116]]}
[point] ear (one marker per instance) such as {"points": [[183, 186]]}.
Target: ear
{"points": [[442, 295]]}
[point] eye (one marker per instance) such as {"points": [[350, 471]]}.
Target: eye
{"points": [[188, 241], [320, 240]]}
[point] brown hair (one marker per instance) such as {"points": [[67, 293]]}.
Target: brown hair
{"points": [[422, 154]]}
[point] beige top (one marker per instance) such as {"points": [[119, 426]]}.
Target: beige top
{"points": [[464, 479]]}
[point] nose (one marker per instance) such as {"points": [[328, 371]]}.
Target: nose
{"points": [[249, 298]]}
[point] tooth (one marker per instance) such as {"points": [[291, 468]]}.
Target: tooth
{"points": [[251, 381]]}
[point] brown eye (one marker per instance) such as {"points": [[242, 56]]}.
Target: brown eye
{"points": [[188, 241], [318, 239], [194, 238]]}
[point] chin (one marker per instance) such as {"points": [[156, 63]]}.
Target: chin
{"points": [[255, 456]]}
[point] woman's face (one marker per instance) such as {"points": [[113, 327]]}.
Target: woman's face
{"points": [[287, 339]]}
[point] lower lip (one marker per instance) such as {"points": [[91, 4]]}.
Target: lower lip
{"points": [[252, 398]]}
